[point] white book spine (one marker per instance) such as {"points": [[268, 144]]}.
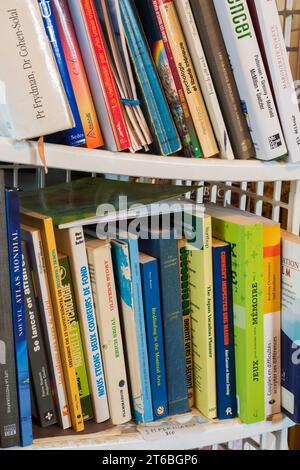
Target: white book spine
{"points": [[32, 90], [107, 314], [43, 290], [72, 243], [205, 79], [251, 78], [280, 71]]}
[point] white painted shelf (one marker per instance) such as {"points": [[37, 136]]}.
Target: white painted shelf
{"points": [[148, 166], [195, 435]]}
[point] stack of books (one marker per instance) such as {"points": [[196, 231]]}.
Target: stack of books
{"points": [[148, 321], [189, 78]]}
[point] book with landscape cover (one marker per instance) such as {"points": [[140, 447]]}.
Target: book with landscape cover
{"points": [[251, 78], [32, 86], [221, 71]]}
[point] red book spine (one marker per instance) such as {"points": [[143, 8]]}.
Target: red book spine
{"points": [[108, 80]]}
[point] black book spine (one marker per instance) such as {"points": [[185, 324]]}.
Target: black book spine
{"points": [[9, 409], [44, 408]]}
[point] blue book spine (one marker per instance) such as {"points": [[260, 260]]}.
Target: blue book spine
{"points": [[158, 110], [154, 332], [166, 251], [224, 333], [75, 136], [18, 312]]}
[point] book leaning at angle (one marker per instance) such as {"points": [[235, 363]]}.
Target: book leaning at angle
{"points": [[45, 225], [109, 327], [72, 243], [251, 78], [270, 36], [31, 88]]}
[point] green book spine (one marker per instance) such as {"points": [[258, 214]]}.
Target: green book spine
{"points": [[75, 338], [247, 279]]}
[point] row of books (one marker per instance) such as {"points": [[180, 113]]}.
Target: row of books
{"points": [[178, 77], [144, 326]]}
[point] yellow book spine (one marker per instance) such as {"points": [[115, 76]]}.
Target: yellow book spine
{"points": [[51, 258], [272, 318], [188, 79], [202, 312]]}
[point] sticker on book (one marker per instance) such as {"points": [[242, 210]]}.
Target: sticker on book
{"points": [[171, 430]]}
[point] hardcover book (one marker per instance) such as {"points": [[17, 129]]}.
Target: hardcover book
{"points": [[251, 78], [245, 234], [75, 337], [154, 332], [224, 331], [33, 90], [220, 69], [18, 314], [43, 409], [109, 327]]}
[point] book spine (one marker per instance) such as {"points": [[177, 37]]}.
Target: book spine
{"points": [[61, 321], [34, 244], [9, 423], [72, 243], [77, 74], [272, 318], [18, 315], [186, 316], [106, 308], [272, 43], [188, 79], [224, 333], [75, 338], [166, 251], [154, 331], [202, 308], [168, 74], [205, 79], [159, 114], [122, 272], [221, 71], [39, 370], [108, 80], [75, 136], [251, 78]]}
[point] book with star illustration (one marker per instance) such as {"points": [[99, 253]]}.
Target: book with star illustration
{"points": [[246, 236]]}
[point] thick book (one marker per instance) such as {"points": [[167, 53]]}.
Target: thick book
{"points": [[72, 243], [202, 314], [44, 408], [188, 79], [109, 327], [33, 240], [111, 92], [74, 136], [204, 77], [290, 325], [9, 412], [245, 235], [33, 91], [75, 337], [84, 100], [163, 58], [45, 225], [134, 349], [154, 332], [269, 33], [251, 78], [220, 69], [160, 117], [18, 314], [224, 331], [186, 316], [163, 245]]}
